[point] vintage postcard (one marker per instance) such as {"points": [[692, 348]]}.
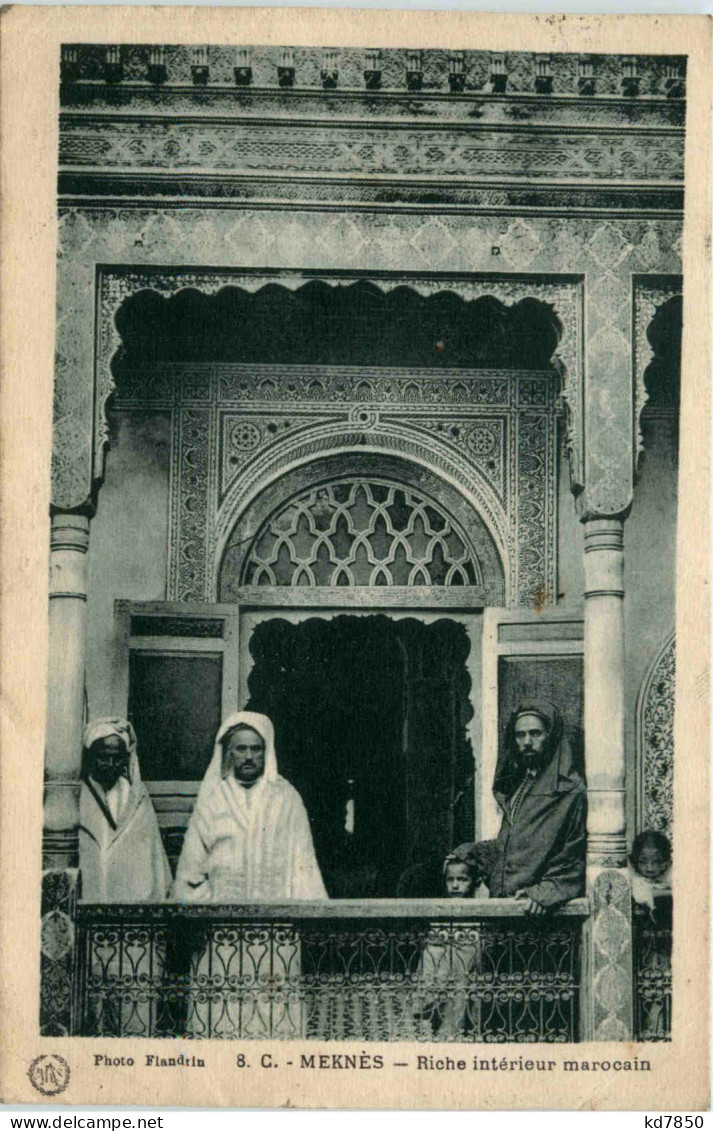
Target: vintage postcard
{"points": [[355, 752]]}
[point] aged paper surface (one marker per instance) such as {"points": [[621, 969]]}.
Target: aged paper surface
{"points": [[421, 272]]}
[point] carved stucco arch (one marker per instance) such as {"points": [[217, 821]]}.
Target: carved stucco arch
{"points": [[651, 293], [563, 293], [245, 511]]}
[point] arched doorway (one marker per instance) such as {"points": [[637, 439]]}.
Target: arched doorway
{"points": [[361, 581]]}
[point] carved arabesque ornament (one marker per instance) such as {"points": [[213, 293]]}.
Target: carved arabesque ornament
{"points": [[655, 748]]}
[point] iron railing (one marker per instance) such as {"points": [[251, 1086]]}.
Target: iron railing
{"points": [[475, 970], [652, 970]]}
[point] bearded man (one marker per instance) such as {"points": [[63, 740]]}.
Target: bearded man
{"points": [[249, 835], [539, 854]]}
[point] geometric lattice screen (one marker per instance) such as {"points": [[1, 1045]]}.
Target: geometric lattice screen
{"points": [[360, 532]]}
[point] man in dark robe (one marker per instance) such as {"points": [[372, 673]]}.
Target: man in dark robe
{"points": [[539, 854]]}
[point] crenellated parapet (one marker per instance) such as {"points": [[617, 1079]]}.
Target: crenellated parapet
{"points": [[372, 70]]}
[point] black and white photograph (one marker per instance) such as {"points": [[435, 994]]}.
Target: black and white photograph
{"points": [[362, 601]]}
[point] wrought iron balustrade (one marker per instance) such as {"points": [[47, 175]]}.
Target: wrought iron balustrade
{"points": [[476, 970], [652, 935]]}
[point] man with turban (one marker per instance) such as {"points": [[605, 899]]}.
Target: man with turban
{"points": [[539, 854], [121, 855], [249, 836]]}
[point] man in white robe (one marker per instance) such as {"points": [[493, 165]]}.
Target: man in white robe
{"points": [[121, 855], [248, 839], [249, 836]]}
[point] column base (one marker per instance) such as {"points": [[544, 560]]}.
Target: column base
{"points": [[60, 836], [606, 850]]}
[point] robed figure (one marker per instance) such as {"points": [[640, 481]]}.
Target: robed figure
{"points": [[121, 860], [121, 854], [539, 854], [248, 839], [249, 836]]}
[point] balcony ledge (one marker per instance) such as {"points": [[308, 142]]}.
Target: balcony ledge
{"points": [[329, 909]]}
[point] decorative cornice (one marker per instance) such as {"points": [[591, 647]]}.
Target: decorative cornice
{"points": [[370, 73], [107, 188]]}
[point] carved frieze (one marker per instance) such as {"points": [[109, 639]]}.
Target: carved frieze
{"points": [[564, 295], [299, 147]]}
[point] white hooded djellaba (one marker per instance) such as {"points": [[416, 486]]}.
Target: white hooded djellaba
{"points": [[121, 855], [121, 860], [247, 844]]}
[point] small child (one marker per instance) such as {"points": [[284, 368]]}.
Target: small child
{"points": [[650, 867], [461, 872], [450, 956], [650, 874]]}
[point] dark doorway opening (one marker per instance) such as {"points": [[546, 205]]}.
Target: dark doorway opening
{"points": [[370, 719]]}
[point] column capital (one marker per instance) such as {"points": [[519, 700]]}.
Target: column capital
{"points": [[70, 531], [586, 513], [604, 558]]}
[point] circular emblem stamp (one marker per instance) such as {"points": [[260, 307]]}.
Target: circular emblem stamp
{"points": [[49, 1074]]}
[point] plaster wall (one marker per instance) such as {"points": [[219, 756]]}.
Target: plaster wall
{"points": [[128, 539]]}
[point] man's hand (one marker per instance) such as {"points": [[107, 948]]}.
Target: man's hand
{"points": [[532, 907]]}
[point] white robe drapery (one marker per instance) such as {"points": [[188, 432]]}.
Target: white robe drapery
{"points": [[121, 860], [248, 844], [121, 855], [243, 845]]}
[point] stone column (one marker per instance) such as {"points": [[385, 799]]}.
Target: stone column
{"points": [[607, 988], [65, 686], [604, 690]]}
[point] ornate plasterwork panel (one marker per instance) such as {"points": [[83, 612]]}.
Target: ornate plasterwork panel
{"points": [[650, 294], [609, 1013], [299, 242], [60, 891], [237, 429], [655, 753]]}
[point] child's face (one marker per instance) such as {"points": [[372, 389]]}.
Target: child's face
{"points": [[458, 880], [652, 863]]}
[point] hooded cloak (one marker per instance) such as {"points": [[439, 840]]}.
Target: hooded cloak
{"points": [[121, 854], [253, 843], [541, 845]]}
